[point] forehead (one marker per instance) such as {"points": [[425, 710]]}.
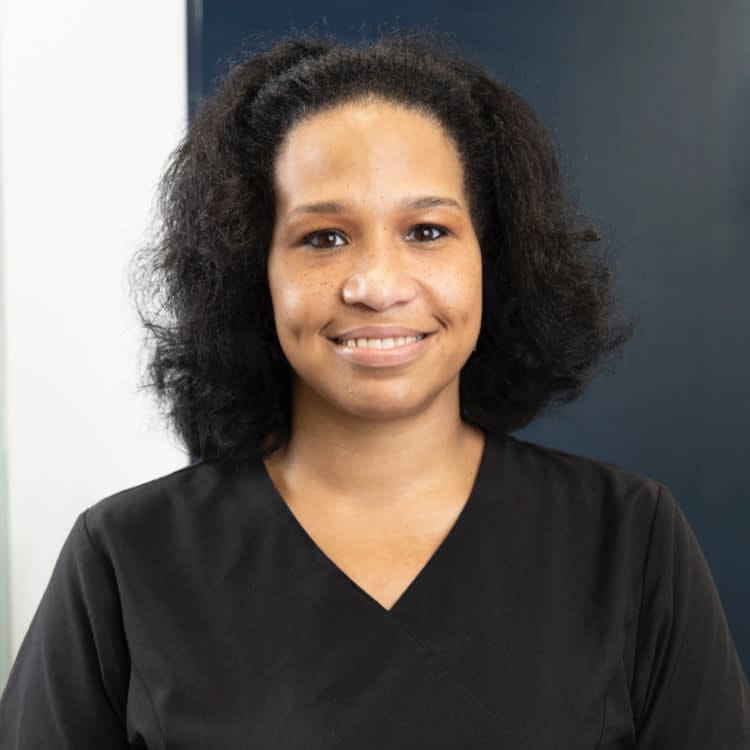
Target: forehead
{"points": [[372, 146]]}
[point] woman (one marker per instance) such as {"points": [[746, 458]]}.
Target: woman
{"points": [[368, 276]]}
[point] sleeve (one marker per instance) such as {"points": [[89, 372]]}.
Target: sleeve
{"points": [[689, 691], [68, 685]]}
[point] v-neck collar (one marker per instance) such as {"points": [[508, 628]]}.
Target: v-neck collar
{"points": [[451, 540]]}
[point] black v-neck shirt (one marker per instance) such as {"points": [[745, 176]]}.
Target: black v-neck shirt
{"points": [[569, 607]]}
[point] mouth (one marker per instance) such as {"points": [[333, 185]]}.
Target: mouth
{"points": [[391, 342], [387, 352]]}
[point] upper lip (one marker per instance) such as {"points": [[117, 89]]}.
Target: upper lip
{"points": [[378, 332]]}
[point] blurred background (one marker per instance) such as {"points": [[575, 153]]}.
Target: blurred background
{"points": [[649, 103]]}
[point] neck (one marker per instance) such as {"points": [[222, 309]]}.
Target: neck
{"points": [[376, 463]]}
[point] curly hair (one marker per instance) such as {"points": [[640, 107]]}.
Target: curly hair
{"points": [[201, 286]]}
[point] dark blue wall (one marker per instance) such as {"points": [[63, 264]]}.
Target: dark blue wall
{"points": [[650, 103]]}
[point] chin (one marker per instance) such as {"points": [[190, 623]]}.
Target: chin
{"points": [[385, 409], [369, 404]]}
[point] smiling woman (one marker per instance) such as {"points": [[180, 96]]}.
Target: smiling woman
{"points": [[368, 276], [396, 184]]}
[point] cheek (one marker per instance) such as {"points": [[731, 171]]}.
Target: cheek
{"points": [[461, 291], [288, 306], [289, 301], [299, 303]]}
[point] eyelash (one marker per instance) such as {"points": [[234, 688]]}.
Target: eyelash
{"points": [[306, 239]]}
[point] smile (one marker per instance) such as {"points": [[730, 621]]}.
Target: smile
{"points": [[385, 352], [384, 343]]}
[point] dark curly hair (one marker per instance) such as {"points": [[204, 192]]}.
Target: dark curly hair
{"points": [[201, 287]]}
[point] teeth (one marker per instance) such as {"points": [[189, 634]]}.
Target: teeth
{"points": [[388, 343]]}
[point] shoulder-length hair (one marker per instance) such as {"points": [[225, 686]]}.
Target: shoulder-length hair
{"points": [[201, 287]]}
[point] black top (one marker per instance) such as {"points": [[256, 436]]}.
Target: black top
{"points": [[569, 607]]}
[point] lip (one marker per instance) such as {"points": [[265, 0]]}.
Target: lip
{"points": [[378, 332], [397, 355]]}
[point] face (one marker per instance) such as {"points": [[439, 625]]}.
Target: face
{"points": [[373, 246]]}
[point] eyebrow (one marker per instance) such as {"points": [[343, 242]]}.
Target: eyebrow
{"points": [[332, 207]]}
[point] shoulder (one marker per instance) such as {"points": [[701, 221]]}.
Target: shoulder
{"points": [[589, 483], [178, 509]]}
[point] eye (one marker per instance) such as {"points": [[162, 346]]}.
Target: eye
{"points": [[423, 230], [326, 234], [324, 239]]}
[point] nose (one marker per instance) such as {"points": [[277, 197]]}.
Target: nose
{"points": [[378, 280]]}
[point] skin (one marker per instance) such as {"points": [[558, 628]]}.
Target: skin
{"points": [[380, 454]]}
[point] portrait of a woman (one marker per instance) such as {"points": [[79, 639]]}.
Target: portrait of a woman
{"points": [[369, 274]]}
